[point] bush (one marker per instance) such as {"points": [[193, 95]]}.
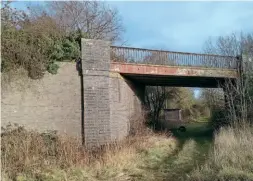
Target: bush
{"points": [[65, 49], [19, 49], [53, 68], [71, 49], [56, 52], [26, 42], [33, 43], [35, 54]]}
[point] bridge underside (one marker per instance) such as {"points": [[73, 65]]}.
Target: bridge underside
{"points": [[176, 81]]}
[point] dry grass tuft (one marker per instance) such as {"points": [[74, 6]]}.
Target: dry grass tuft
{"points": [[28, 155], [28, 151], [138, 122], [231, 157]]}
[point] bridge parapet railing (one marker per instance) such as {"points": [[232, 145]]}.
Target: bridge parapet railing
{"points": [[169, 58]]}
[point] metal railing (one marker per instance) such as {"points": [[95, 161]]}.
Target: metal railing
{"points": [[160, 57]]}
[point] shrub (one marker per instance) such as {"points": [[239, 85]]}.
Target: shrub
{"points": [[26, 42], [33, 43], [65, 49], [71, 49], [56, 53], [18, 49], [53, 68]]}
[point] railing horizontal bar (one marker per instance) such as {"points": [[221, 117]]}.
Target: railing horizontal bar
{"points": [[187, 53]]}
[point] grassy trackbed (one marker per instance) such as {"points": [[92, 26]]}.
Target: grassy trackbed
{"points": [[191, 155]]}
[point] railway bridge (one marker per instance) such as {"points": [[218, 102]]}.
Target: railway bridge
{"points": [[114, 80]]}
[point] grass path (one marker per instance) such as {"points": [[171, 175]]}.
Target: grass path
{"points": [[162, 164], [154, 157], [150, 158], [191, 152]]}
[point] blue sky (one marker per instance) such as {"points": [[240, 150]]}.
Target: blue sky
{"points": [[179, 26], [182, 26]]}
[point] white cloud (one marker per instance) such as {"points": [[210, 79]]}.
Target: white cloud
{"points": [[182, 26]]}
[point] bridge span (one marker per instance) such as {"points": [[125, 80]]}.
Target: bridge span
{"points": [[114, 80]]}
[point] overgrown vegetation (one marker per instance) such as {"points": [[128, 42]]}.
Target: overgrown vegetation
{"points": [[28, 155], [231, 155], [230, 158], [238, 93], [37, 38]]}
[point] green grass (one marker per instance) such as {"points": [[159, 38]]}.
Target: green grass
{"points": [[191, 152], [203, 119], [194, 130]]}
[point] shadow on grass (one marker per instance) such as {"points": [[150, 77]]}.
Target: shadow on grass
{"points": [[199, 132]]}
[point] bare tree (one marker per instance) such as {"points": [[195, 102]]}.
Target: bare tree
{"points": [[95, 18], [155, 97], [230, 45], [213, 98], [238, 92]]}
